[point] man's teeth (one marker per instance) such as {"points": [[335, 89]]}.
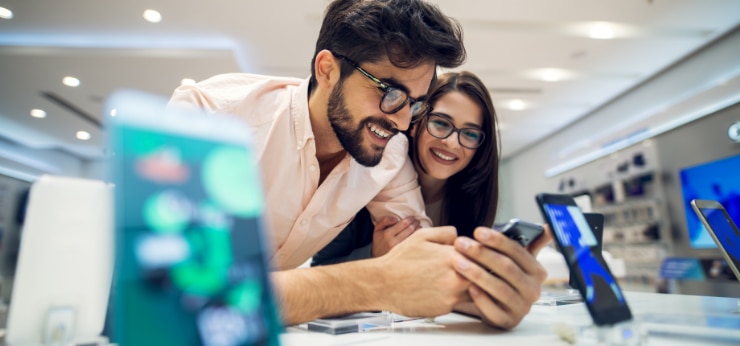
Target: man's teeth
{"points": [[378, 131], [442, 156]]}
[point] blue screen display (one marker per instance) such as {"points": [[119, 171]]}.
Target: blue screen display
{"points": [[725, 233], [717, 180], [579, 246]]}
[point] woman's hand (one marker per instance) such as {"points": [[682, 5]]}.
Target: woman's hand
{"points": [[390, 231]]}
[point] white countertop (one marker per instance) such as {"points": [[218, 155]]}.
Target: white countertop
{"points": [[667, 320]]}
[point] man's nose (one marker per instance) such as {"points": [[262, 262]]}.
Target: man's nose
{"points": [[402, 118]]}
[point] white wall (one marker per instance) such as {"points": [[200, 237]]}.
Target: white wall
{"points": [[525, 171], [24, 163]]}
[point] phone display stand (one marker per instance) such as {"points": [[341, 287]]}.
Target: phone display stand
{"points": [[569, 296], [354, 323], [625, 333]]}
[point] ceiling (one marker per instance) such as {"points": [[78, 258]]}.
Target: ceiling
{"points": [[108, 45]]}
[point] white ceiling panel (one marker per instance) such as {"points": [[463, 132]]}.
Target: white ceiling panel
{"points": [[108, 45]]}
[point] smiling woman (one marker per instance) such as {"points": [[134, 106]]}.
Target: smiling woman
{"points": [[455, 152]]}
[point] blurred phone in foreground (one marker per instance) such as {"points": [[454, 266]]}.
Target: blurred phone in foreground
{"points": [[191, 266], [576, 241]]}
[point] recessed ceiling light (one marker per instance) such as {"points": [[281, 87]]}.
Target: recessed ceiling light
{"points": [[5, 13], [38, 113], [71, 81], [152, 16], [113, 112], [83, 135], [517, 105], [601, 31], [187, 81], [551, 75]]}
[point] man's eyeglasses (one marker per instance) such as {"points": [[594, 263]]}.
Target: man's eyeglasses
{"points": [[393, 98], [441, 127]]}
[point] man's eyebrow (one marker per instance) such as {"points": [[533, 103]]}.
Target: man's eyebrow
{"points": [[452, 120], [392, 82]]}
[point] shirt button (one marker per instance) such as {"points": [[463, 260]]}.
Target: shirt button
{"points": [[312, 168]]}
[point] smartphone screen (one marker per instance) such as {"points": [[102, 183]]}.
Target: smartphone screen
{"points": [[191, 268], [596, 223], [580, 247]]}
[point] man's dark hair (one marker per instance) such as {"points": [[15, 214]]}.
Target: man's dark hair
{"points": [[408, 32]]}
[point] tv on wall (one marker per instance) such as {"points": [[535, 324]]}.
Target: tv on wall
{"points": [[716, 180]]}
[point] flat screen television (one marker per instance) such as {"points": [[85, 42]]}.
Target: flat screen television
{"points": [[715, 180]]}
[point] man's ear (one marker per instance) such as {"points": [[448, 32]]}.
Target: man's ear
{"points": [[327, 69]]}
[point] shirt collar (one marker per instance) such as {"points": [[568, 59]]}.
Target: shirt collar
{"points": [[299, 113]]}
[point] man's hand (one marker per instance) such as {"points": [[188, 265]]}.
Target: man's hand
{"points": [[416, 278], [389, 232], [506, 278], [420, 275]]}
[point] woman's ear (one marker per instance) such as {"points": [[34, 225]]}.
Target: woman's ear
{"points": [[327, 69]]}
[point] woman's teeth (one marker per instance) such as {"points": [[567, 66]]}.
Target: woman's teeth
{"points": [[442, 156]]}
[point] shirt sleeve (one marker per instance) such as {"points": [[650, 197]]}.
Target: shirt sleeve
{"points": [[198, 97], [400, 197]]}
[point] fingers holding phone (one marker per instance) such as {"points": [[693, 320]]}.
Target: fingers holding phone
{"points": [[506, 276], [421, 268]]}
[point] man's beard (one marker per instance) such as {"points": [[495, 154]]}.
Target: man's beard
{"points": [[349, 136]]}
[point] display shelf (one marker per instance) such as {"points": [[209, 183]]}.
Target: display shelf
{"points": [[628, 189]]}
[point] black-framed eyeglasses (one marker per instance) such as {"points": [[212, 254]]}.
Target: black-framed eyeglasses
{"points": [[393, 98], [440, 127]]}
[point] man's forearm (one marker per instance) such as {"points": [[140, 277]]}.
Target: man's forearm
{"points": [[309, 293]]}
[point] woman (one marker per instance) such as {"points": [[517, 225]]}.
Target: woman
{"points": [[455, 151]]}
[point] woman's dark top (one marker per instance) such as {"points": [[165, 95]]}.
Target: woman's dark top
{"points": [[355, 242]]}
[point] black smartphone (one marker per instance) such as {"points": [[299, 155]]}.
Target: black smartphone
{"points": [[578, 244], [522, 231]]}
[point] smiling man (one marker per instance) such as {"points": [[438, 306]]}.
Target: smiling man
{"points": [[328, 146]]}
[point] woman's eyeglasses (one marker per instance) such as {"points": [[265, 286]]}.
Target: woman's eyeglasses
{"points": [[393, 98], [441, 127]]}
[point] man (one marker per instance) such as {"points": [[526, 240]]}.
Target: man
{"points": [[327, 148]]}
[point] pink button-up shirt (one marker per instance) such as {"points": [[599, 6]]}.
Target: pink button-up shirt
{"points": [[301, 216]]}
